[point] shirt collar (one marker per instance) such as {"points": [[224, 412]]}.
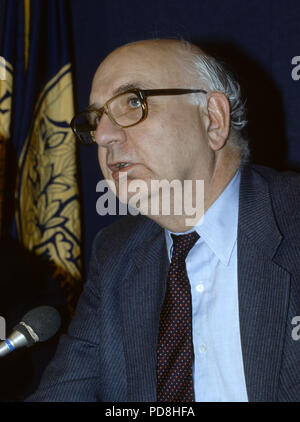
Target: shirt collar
{"points": [[218, 227]]}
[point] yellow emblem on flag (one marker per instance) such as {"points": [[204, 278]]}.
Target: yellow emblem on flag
{"points": [[48, 216]]}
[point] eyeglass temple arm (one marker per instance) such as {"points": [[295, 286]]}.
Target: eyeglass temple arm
{"points": [[153, 92]]}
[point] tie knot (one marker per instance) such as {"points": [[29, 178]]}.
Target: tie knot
{"points": [[182, 244]]}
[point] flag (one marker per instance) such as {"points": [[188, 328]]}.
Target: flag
{"points": [[36, 106], [6, 86]]}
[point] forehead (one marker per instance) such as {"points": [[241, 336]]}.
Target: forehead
{"points": [[143, 65]]}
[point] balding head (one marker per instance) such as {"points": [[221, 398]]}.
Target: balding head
{"points": [[164, 59], [173, 49]]}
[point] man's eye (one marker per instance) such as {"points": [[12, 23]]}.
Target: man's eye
{"points": [[134, 102]]}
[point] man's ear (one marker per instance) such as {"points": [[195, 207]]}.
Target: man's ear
{"points": [[218, 109]]}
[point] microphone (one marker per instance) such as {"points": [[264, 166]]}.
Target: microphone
{"points": [[39, 324]]}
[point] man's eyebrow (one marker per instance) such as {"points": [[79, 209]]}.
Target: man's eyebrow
{"points": [[123, 88], [127, 86]]}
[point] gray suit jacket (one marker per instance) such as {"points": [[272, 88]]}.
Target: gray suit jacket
{"points": [[109, 353]]}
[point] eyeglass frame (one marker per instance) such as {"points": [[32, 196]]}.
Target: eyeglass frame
{"points": [[142, 94]]}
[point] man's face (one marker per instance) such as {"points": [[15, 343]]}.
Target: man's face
{"points": [[171, 144]]}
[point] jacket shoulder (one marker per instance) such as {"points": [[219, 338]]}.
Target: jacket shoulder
{"points": [[284, 193], [278, 180], [283, 186]]}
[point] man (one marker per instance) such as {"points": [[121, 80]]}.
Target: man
{"points": [[232, 336]]}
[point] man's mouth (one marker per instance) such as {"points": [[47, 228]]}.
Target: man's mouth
{"points": [[118, 166]]}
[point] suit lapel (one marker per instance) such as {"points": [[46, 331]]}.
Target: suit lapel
{"points": [[141, 295], [263, 288]]}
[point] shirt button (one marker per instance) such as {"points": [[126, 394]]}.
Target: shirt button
{"points": [[203, 348], [200, 288]]}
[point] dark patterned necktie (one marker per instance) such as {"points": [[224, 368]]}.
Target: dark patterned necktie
{"points": [[175, 342]]}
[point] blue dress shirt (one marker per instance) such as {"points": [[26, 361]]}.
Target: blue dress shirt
{"points": [[212, 270]]}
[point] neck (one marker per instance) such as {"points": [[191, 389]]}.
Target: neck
{"points": [[202, 198]]}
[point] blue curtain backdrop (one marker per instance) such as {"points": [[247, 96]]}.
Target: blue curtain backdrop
{"points": [[257, 39]]}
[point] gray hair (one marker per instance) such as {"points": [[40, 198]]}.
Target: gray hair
{"points": [[216, 77]]}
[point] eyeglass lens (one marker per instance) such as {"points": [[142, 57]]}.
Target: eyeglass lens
{"points": [[125, 110]]}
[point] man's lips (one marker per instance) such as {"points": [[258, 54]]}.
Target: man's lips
{"points": [[116, 165], [115, 169]]}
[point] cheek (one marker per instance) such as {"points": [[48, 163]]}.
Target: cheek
{"points": [[165, 142], [175, 134]]}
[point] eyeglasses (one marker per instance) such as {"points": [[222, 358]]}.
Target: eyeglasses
{"points": [[125, 110]]}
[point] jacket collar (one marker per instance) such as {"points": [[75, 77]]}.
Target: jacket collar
{"points": [[263, 288], [256, 218]]}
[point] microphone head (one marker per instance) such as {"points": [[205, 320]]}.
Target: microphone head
{"points": [[45, 321]]}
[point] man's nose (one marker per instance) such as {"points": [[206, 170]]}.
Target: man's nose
{"points": [[108, 133]]}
